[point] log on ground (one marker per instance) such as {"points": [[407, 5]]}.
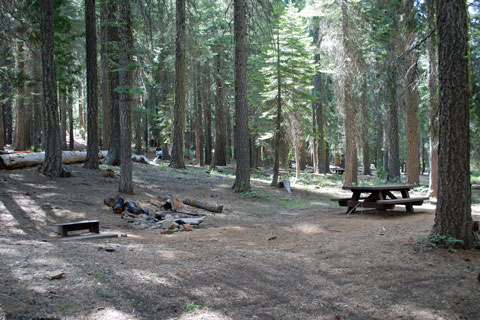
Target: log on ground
{"points": [[206, 206], [31, 159]]}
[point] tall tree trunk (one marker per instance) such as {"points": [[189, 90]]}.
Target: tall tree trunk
{"points": [[92, 92], [220, 156], [303, 154], [63, 118], [198, 117], [411, 97], [242, 174], [379, 130], [105, 89], [52, 165], [71, 140], [364, 123], [2, 129], [20, 114], [113, 157], [178, 151], [319, 135], [432, 99], [81, 112], [350, 174], [314, 140], [126, 82], [278, 121], [207, 109], [392, 127], [453, 216]]}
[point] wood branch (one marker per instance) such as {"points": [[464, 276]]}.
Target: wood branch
{"points": [[31, 159], [201, 205]]}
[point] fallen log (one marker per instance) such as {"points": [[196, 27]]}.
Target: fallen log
{"points": [[201, 205], [31, 159], [140, 159], [191, 221], [132, 207]]}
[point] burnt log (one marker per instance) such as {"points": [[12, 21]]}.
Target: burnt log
{"points": [[118, 205]]}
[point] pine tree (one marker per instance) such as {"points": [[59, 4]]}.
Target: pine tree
{"points": [[290, 69]]}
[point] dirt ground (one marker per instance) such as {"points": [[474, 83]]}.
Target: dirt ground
{"points": [[269, 255]]}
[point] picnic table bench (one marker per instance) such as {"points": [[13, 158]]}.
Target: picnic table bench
{"points": [[92, 225], [379, 197]]}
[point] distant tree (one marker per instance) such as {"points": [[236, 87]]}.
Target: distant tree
{"points": [[220, 155], [242, 174], [411, 94], [92, 92], [453, 216], [113, 45], [350, 175], [178, 151], [52, 164], [432, 83], [21, 112]]}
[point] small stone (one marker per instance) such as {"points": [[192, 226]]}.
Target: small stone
{"points": [[57, 274], [168, 217]]}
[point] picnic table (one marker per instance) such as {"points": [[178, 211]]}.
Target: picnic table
{"points": [[379, 197]]}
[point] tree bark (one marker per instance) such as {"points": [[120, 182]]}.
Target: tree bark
{"points": [[126, 83], [81, 121], [71, 132], [453, 216], [92, 92], [411, 97], [20, 114], [113, 32], [52, 164], [207, 109], [63, 118], [379, 130], [106, 86], [198, 118], [278, 121], [220, 156], [178, 147], [350, 174], [393, 172], [432, 99], [364, 123], [242, 174]]}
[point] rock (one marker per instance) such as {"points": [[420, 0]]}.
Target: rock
{"points": [[169, 225], [57, 274], [168, 217], [187, 227]]}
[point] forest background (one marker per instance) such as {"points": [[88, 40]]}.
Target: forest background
{"points": [[326, 80]]}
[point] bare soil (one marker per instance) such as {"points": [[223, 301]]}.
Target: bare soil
{"points": [[269, 255]]}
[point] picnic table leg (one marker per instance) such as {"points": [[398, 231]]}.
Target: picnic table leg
{"points": [[408, 206], [355, 197]]}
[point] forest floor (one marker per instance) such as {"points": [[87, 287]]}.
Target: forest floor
{"points": [[268, 255]]}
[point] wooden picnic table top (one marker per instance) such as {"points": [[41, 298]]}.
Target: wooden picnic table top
{"points": [[381, 187]]}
